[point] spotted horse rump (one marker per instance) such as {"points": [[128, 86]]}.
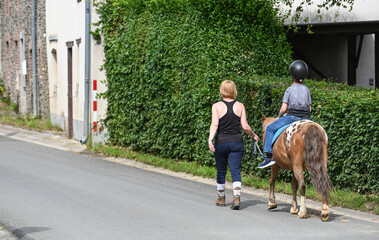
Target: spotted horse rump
{"points": [[291, 129]]}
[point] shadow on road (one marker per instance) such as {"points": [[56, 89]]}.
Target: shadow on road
{"points": [[21, 232], [250, 203]]}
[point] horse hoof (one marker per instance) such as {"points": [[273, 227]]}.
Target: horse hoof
{"points": [[302, 215], [272, 205], [294, 210], [324, 217]]}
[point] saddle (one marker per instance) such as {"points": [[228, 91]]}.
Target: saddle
{"points": [[289, 128]]}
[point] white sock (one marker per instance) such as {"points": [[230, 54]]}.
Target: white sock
{"points": [[221, 189], [237, 188]]}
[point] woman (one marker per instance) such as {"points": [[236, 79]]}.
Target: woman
{"points": [[296, 102], [227, 117]]}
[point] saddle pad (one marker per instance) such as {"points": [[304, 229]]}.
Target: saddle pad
{"points": [[277, 133]]}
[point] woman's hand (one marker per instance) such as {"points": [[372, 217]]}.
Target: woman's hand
{"points": [[256, 138], [211, 147]]}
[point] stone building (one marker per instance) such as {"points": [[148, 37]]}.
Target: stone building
{"points": [[16, 54]]}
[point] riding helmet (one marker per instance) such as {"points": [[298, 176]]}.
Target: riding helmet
{"points": [[298, 70]]}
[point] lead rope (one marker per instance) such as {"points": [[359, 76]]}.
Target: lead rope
{"points": [[255, 147]]}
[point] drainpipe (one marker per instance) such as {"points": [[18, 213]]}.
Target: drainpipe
{"points": [[87, 72], [34, 59]]}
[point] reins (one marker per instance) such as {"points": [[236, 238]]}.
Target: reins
{"points": [[254, 153]]}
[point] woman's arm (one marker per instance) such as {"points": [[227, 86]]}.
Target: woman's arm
{"points": [[245, 125], [213, 127], [283, 109]]}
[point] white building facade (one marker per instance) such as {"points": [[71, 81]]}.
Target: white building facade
{"points": [[65, 33]]}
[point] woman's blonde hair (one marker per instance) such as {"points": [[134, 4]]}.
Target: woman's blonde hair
{"points": [[228, 89]]}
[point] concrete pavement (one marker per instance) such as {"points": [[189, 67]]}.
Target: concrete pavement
{"points": [[49, 139], [6, 235], [59, 141]]}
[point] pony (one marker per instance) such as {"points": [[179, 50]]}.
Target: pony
{"points": [[302, 146]]}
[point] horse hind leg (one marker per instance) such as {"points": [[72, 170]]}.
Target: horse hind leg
{"points": [[325, 208], [316, 156], [298, 173], [303, 209], [294, 185], [274, 174]]}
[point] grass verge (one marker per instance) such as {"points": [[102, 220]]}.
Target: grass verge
{"points": [[9, 116], [341, 198]]}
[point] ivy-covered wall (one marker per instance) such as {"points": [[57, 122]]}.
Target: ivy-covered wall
{"points": [[165, 60]]}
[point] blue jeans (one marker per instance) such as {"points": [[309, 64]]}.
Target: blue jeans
{"points": [[229, 151], [273, 127]]}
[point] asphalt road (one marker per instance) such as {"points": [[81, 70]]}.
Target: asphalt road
{"points": [[46, 193]]}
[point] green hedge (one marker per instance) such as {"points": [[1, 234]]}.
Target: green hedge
{"points": [[165, 60]]}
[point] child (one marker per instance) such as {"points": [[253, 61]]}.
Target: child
{"points": [[296, 102]]}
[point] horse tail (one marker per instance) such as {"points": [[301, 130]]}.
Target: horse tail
{"points": [[315, 144]]}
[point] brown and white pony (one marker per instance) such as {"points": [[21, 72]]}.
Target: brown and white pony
{"points": [[302, 146]]}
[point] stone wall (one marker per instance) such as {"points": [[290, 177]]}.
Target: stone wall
{"points": [[16, 44]]}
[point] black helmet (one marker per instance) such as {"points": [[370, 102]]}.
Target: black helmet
{"points": [[298, 70]]}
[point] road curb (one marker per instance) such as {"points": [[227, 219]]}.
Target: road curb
{"points": [[48, 139]]}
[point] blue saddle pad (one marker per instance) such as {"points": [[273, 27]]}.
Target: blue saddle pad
{"points": [[277, 133]]}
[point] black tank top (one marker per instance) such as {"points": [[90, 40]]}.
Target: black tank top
{"points": [[229, 126]]}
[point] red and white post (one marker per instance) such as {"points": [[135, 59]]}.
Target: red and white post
{"points": [[94, 107]]}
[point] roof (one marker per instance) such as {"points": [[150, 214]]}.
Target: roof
{"points": [[334, 29]]}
